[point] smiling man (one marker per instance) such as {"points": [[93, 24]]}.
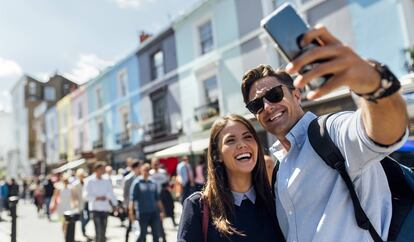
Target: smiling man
{"points": [[312, 201]]}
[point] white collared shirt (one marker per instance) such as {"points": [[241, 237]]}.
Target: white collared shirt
{"points": [[240, 196], [94, 188], [312, 201]]}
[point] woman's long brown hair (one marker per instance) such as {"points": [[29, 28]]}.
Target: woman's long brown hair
{"points": [[217, 190]]}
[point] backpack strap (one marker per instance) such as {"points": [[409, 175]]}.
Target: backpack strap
{"points": [[324, 146], [205, 218]]}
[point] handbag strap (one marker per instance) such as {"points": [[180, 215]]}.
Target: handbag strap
{"points": [[205, 218]]}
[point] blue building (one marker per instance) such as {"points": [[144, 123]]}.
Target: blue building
{"points": [[125, 109], [113, 109]]}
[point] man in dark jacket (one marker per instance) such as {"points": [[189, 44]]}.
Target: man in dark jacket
{"points": [[48, 188]]}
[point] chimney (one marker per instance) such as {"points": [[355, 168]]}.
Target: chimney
{"points": [[143, 36]]}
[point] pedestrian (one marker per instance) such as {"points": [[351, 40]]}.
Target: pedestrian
{"points": [[25, 186], [79, 202], [157, 174], [236, 203], [12, 191], [129, 161], [13, 188], [3, 196], [38, 196], [48, 188], [200, 174], [168, 202], [62, 199], [145, 202], [108, 172], [101, 199], [313, 202], [186, 178], [134, 172]]}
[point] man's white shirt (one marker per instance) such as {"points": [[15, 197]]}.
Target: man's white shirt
{"points": [[94, 188]]}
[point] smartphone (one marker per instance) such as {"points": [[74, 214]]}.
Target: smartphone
{"points": [[286, 28]]}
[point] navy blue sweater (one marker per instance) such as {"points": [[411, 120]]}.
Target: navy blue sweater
{"points": [[248, 218]]}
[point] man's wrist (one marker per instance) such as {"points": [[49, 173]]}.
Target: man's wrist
{"points": [[388, 83]]}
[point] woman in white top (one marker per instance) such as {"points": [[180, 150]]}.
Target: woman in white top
{"points": [[63, 198]]}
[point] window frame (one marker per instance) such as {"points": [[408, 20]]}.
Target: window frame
{"points": [[205, 90], [46, 92], [208, 17], [122, 82], [99, 97], [154, 67], [201, 41]]}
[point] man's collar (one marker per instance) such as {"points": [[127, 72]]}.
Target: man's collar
{"points": [[240, 196], [295, 136]]}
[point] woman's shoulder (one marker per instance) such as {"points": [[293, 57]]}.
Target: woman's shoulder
{"points": [[194, 199]]}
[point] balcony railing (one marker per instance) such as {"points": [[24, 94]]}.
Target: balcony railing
{"points": [[158, 128], [206, 112], [123, 139], [98, 144]]}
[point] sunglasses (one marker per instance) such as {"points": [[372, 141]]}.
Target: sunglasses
{"points": [[273, 95]]}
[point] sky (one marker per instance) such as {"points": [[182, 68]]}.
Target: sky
{"points": [[75, 38]]}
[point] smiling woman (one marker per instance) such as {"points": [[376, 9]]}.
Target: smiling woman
{"points": [[236, 204]]}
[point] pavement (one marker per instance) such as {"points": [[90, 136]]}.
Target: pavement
{"points": [[32, 227]]}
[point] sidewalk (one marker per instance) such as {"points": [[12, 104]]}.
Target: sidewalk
{"points": [[31, 228]]}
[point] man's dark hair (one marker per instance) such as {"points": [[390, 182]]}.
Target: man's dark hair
{"points": [[98, 165], [261, 71], [135, 164]]}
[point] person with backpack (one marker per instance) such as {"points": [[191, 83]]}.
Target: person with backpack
{"points": [[312, 201], [236, 204]]}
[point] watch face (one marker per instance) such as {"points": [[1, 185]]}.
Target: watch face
{"points": [[385, 83]]}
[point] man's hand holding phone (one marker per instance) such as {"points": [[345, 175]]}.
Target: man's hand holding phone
{"points": [[346, 67]]}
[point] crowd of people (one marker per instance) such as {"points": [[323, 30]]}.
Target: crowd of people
{"points": [[146, 195]]}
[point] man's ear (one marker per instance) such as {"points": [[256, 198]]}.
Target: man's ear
{"points": [[297, 95]]}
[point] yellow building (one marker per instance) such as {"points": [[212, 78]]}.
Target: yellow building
{"points": [[64, 113]]}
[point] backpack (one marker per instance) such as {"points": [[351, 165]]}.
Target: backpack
{"points": [[400, 180]]}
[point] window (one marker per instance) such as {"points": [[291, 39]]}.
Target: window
{"points": [[32, 88], [50, 93], [125, 121], [80, 140], [99, 102], [122, 82], [205, 32], [100, 129], [157, 65], [211, 90], [159, 107], [66, 88], [79, 110]]}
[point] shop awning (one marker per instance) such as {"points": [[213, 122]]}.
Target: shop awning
{"points": [[69, 165], [196, 147]]}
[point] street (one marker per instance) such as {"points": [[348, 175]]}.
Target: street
{"points": [[32, 228]]}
